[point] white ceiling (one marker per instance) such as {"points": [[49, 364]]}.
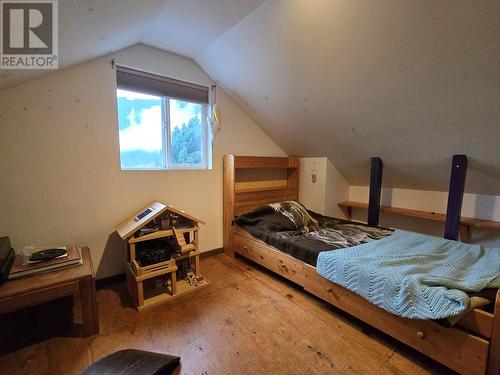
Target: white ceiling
{"points": [[411, 81], [188, 27], [92, 28], [88, 29]]}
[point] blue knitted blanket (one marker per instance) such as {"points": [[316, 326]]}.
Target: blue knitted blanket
{"points": [[414, 275]]}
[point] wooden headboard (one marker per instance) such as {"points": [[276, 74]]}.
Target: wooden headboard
{"points": [[253, 181]]}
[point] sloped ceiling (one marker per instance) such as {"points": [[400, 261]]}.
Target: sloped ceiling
{"points": [[413, 82], [410, 81], [187, 27], [90, 28]]}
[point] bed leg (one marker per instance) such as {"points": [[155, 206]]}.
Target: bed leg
{"points": [[228, 196], [494, 354], [229, 249], [229, 243]]}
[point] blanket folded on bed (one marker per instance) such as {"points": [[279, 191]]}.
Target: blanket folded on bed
{"points": [[413, 275], [303, 234]]}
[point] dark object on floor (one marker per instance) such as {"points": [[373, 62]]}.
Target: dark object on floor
{"points": [[133, 362], [7, 256]]}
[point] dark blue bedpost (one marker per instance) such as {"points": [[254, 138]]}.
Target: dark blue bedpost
{"points": [[375, 190], [455, 197]]}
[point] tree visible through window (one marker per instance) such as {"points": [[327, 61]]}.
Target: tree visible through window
{"points": [[160, 132], [186, 132]]}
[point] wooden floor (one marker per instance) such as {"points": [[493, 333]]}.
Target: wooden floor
{"points": [[246, 322]]}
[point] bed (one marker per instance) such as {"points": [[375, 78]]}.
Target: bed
{"points": [[471, 346]]}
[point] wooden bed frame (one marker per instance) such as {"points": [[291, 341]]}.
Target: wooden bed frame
{"points": [[472, 346]]}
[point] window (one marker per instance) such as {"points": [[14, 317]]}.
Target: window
{"points": [[162, 123]]}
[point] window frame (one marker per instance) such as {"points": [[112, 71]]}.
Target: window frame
{"points": [[167, 163]]}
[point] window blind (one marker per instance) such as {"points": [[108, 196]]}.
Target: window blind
{"points": [[131, 79]]}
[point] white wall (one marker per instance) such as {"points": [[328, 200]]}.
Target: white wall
{"points": [[479, 206], [328, 188], [61, 177], [338, 190], [312, 194]]}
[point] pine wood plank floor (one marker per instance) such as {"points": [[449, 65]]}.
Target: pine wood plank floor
{"points": [[247, 321]]}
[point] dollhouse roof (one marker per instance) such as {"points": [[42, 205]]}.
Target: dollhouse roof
{"points": [[128, 227]]}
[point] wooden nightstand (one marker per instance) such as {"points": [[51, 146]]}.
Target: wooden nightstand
{"points": [[71, 281]]}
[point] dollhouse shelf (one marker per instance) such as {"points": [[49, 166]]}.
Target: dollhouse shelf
{"points": [[183, 287], [189, 255], [160, 234], [151, 284]]}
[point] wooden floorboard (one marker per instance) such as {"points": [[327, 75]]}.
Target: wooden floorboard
{"points": [[247, 321]]}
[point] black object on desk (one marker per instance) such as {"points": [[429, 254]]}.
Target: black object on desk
{"points": [[7, 256], [47, 254]]}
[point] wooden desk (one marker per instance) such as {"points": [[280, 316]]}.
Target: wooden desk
{"points": [[74, 280]]}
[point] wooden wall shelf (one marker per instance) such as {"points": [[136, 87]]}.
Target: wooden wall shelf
{"points": [[466, 223], [261, 189], [266, 162]]}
